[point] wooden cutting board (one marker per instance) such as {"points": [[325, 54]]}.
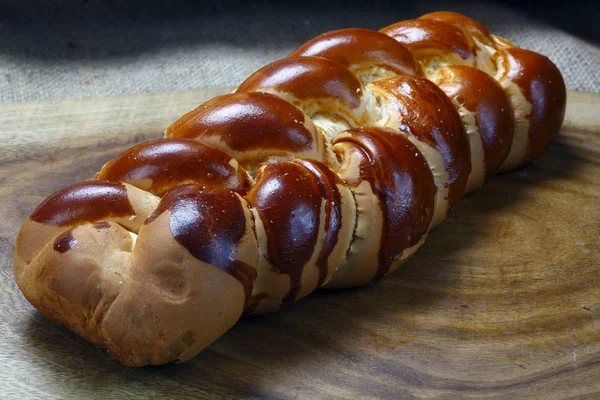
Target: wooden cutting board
{"points": [[502, 301]]}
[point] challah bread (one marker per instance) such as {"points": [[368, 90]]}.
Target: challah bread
{"points": [[326, 169]]}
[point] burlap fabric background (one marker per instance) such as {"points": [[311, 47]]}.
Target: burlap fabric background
{"points": [[74, 49]]}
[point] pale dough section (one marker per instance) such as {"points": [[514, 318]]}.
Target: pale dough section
{"points": [[477, 175], [362, 260], [521, 109], [440, 177]]}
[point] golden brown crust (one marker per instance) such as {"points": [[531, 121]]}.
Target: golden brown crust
{"points": [[306, 78], [252, 128], [316, 85], [178, 302], [543, 86], [474, 28], [420, 109], [362, 50], [134, 294], [481, 95], [301, 208], [160, 165], [432, 40], [85, 202], [355, 154], [399, 188]]}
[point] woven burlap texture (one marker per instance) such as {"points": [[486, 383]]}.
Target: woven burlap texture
{"points": [[51, 60]]}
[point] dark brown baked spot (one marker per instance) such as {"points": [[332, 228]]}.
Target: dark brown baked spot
{"points": [[84, 202], [65, 241], [101, 225], [209, 223]]}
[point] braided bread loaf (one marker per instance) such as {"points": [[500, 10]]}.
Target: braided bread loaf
{"points": [[324, 169]]}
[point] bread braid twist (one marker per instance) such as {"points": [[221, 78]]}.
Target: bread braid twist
{"points": [[324, 169]]}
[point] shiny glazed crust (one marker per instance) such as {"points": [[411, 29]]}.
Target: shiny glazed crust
{"points": [[324, 169]]}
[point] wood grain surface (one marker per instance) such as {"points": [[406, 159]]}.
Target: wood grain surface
{"points": [[502, 301]]}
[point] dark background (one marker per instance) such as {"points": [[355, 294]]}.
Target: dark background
{"points": [[580, 18], [73, 34]]}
